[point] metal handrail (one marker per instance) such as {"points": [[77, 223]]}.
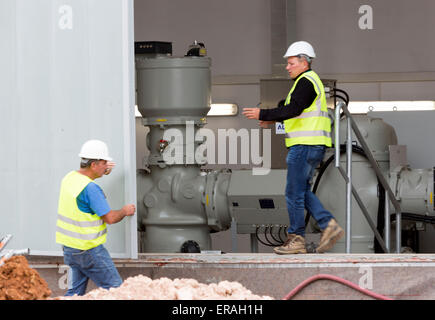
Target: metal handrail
{"points": [[389, 195]]}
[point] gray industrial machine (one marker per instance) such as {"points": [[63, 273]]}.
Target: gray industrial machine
{"points": [[179, 205]]}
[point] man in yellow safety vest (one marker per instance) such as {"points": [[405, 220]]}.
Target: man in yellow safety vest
{"points": [[308, 133], [83, 213]]}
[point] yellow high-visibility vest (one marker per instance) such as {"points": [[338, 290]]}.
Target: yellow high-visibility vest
{"points": [[312, 126], [75, 228]]}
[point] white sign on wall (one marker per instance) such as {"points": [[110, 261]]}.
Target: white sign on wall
{"points": [[279, 128]]}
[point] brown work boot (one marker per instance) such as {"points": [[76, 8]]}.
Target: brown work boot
{"points": [[294, 244], [330, 236]]}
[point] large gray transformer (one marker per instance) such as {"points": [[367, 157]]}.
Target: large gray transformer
{"points": [[179, 204]]}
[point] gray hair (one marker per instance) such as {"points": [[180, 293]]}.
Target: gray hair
{"points": [[86, 163], [308, 59]]}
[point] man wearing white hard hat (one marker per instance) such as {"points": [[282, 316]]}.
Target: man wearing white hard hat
{"points": [[308, 133], [83, 213]]}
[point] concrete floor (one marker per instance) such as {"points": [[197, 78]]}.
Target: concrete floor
{"points": [[398, 276]]}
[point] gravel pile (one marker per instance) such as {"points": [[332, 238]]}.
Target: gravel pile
{"points": [[143, 288]]}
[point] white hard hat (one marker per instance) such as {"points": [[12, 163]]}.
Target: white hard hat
{"points": [[95, 149], [300, 47]]}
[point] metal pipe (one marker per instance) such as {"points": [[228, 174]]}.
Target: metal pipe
{"points": [[398, 231], [21, 252], [349, 187], [254, 243], [4, 241], [233, 235], [337, 133], [6, 256], [387, 223]]}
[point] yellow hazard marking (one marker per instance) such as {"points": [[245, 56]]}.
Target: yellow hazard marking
{"points": [[161, 120], [431, 198], [206, 199]]}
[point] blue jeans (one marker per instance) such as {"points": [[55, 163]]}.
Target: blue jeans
{"points": [[95, 264], [301, 162]]}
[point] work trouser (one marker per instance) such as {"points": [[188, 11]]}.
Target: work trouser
{"points": [[95, 264], [301, 163]]}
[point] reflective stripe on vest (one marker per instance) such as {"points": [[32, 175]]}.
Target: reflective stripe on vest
{"points": [[81, 224], [298, 134], [75, 228], [313, 125], [89, 236], [315, 113]]}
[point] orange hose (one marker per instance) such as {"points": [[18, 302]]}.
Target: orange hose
{"points": [[306, 282]]}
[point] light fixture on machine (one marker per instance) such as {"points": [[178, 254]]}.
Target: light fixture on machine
{"points": [[223, 109]]}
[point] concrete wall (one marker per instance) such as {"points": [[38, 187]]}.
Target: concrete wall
{"points": [[391, 61], [234, 32], [398, 42]]}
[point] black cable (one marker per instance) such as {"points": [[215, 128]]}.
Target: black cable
{"points": [[345, 101], [341, 97], [265, 235], [280, 242], [279, 233], [285, 232], [344, 92], [259, 240], [267, 239], [380, 225], [414, 217]]}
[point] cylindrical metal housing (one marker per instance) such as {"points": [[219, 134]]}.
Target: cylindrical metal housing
{"points": [[332, 194], [377, 134], [414, 189], [173, 89]]}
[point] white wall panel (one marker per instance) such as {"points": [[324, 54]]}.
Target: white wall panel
{"points": [[67, 76]]}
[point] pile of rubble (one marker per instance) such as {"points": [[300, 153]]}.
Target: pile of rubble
{"points": [[20, 282], [143, 288]]}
